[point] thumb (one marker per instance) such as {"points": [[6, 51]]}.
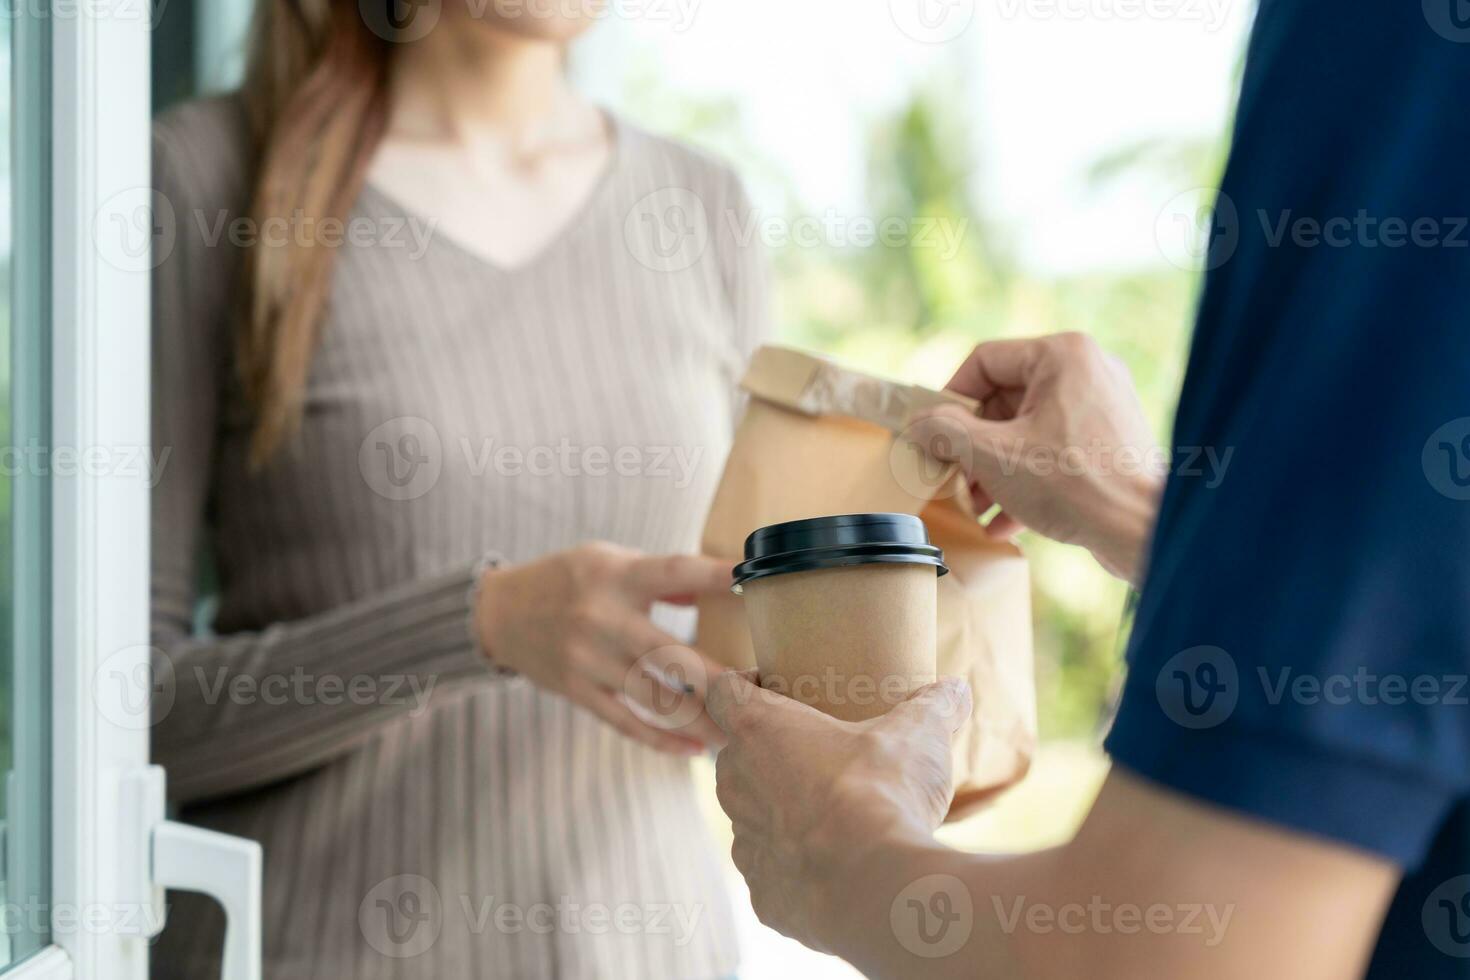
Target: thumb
{"points": [[945, 704], [728, 696], [952, 435]]}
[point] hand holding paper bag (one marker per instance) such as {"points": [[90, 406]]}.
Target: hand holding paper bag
{"points": [[1061, 445], [819, 440]]}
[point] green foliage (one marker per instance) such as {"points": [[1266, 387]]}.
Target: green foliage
{"points": [[914, 309]]}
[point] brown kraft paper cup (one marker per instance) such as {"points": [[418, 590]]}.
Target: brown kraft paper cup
{"points": [[846, 624]]}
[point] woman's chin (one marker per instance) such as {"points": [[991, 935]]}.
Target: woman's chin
{"points": [[529, 23]]}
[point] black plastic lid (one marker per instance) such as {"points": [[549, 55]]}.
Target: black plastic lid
{"points": [[831, 542]]}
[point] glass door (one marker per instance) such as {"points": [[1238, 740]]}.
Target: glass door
{"points": [[85, 851], [24, 492]]}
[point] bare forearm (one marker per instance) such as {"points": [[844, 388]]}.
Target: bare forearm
{"points": [[915, 910], [833, 830], [1153, 884]]}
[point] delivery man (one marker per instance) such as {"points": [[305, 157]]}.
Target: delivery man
{"points": [[1290, 791]]}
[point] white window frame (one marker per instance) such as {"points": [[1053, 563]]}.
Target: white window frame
{"points": [[100, 110], [112, 851]]}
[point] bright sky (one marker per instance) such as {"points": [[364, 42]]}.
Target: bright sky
{"points": [[1056, 85]]}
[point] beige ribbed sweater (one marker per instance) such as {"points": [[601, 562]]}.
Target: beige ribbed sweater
{"points": [[423, 817]]}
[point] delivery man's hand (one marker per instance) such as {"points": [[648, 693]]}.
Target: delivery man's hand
{"points": [[1062, 445], [834, 832], [808, 795]]}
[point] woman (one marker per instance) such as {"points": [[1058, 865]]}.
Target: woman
{"points": [[443, 451]]}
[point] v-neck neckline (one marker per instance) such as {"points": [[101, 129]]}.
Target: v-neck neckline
{"points": [[569, 227]]}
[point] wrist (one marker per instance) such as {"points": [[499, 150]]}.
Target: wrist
{"points": [[1124, 522], [855, 900], [851, 868], [488, 613]]}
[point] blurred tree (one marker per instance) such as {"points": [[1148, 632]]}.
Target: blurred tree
{"points": [[913, 305]]}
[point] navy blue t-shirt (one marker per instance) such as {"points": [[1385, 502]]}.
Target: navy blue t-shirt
{"points": [[1302, 646]]}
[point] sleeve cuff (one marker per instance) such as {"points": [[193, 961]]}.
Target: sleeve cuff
{"points": [[425, 628], [1276, 778]]}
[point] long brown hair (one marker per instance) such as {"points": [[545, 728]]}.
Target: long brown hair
{"points": [[316, 93]]}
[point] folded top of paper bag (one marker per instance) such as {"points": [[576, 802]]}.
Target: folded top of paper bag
{"points": [[814, 386]]}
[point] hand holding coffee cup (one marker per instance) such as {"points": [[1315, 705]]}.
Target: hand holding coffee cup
{"points": [[842, 610]]}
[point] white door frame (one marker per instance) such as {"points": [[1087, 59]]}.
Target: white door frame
{"points": [[100, 112], [113, 852]]}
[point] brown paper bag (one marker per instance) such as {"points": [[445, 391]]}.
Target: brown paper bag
{"points": [[819, 440]]}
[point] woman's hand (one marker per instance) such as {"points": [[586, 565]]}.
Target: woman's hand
{"points": [[577, 623], [809, 796], [1061, 445]]}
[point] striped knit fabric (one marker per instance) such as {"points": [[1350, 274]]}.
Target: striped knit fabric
{"points": [[422, 816]]}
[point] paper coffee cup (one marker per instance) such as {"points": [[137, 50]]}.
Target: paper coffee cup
{"points": [[842, 610]]}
